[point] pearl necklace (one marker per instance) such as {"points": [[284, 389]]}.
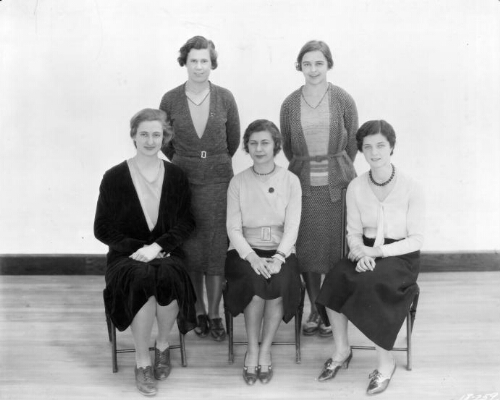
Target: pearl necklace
{"points": [[387, 181], [268, 173]]}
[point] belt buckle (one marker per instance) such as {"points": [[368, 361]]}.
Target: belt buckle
{"points": [[203, 154], [265, 233]]}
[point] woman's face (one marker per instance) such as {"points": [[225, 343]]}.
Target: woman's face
{"points": [[149, 137], [199, 65], [377, 150], [261, 147], [314, 67]]}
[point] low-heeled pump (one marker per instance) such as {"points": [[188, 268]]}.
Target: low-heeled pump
{"points": [[330, 368], [250, 377], [265, 377]]}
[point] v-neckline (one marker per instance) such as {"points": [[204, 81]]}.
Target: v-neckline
{"points": [[388, 194], [138, 200], [210, 111]]}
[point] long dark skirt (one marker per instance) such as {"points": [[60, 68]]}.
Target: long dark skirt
{"points": [[319, 241], [130, 284], [206, 247], [377, 301], [244, 284]]}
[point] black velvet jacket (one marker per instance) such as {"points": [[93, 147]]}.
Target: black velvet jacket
{"points": [[120, 222]]}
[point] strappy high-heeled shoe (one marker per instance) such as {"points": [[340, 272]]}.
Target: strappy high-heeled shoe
{"points": [[330, 368]]}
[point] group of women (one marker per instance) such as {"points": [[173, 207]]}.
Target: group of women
{"points": [[177, 228]]}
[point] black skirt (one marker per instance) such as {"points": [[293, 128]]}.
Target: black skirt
{"points": [[377, 301], [243, 284], [130, 284]]}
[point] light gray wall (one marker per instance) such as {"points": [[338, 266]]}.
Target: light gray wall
{"points": [[73, 73]]}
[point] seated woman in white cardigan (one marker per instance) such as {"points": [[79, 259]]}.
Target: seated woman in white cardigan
{"points": [[373, 287], [263, 217]]}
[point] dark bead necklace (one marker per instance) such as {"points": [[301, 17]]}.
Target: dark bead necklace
{"points": [[268, 173], [387, 181]]}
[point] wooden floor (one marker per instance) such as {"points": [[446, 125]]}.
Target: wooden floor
{"points": [[54, 345]]}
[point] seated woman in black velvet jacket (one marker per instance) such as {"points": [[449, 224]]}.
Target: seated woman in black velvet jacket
{"points": [[143, 214]]}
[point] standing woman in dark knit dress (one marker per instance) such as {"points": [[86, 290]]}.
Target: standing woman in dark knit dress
{"points": [[374, 287], [319, 123], [143, 214], [207, 126]]}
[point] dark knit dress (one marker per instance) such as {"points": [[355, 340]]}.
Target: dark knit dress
{"points": [[208, 166], [120, 223], [318, 243]]}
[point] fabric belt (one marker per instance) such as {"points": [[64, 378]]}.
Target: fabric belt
{"points": [[200, 154], [264, 233], [320, 158]]}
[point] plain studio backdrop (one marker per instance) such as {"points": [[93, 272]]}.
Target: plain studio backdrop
{"points": [[73, 73]]}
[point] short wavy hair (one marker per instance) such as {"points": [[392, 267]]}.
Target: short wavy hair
{"points": [[197, 43], [372, 128], [152, 114], [260, 125], [314, 45]]}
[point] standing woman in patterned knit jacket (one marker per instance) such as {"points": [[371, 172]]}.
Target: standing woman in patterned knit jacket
{"points": [[207, 126], [319, 123]]}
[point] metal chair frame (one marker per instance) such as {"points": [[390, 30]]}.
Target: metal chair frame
{"points": [[298, 322], [412, 311], [115, 351]]}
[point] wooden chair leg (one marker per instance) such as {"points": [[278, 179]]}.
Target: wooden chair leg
{"points": [[114, 357], [230, 331], [408, 342], [108, 324], [182, 345]]}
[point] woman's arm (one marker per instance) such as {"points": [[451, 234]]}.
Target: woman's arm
{"points": [[168, 149], [184, 222], [286, 131], [292, 217], [415, 226], [105, 225], [351, 126], [232, 126]]}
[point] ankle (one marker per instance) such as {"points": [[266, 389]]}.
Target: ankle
{"points": [[341, 353], [162, 346]]}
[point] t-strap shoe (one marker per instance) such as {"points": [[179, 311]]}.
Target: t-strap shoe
{"points": [[378, 382], [330, 368]]}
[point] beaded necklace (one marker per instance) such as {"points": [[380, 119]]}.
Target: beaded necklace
{"points": [[387, 181]]}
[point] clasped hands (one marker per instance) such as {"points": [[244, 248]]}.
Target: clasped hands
{"points": [[147, 253], [364, 257], [264, 266]]}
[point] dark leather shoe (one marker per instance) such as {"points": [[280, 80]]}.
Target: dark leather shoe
{"points": [[325, 331], [217, 329], [203, 328], [311, 327], [330, 368], [378, 382], [162, 365], [265, 377], [249, 377], [144, 381]]}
